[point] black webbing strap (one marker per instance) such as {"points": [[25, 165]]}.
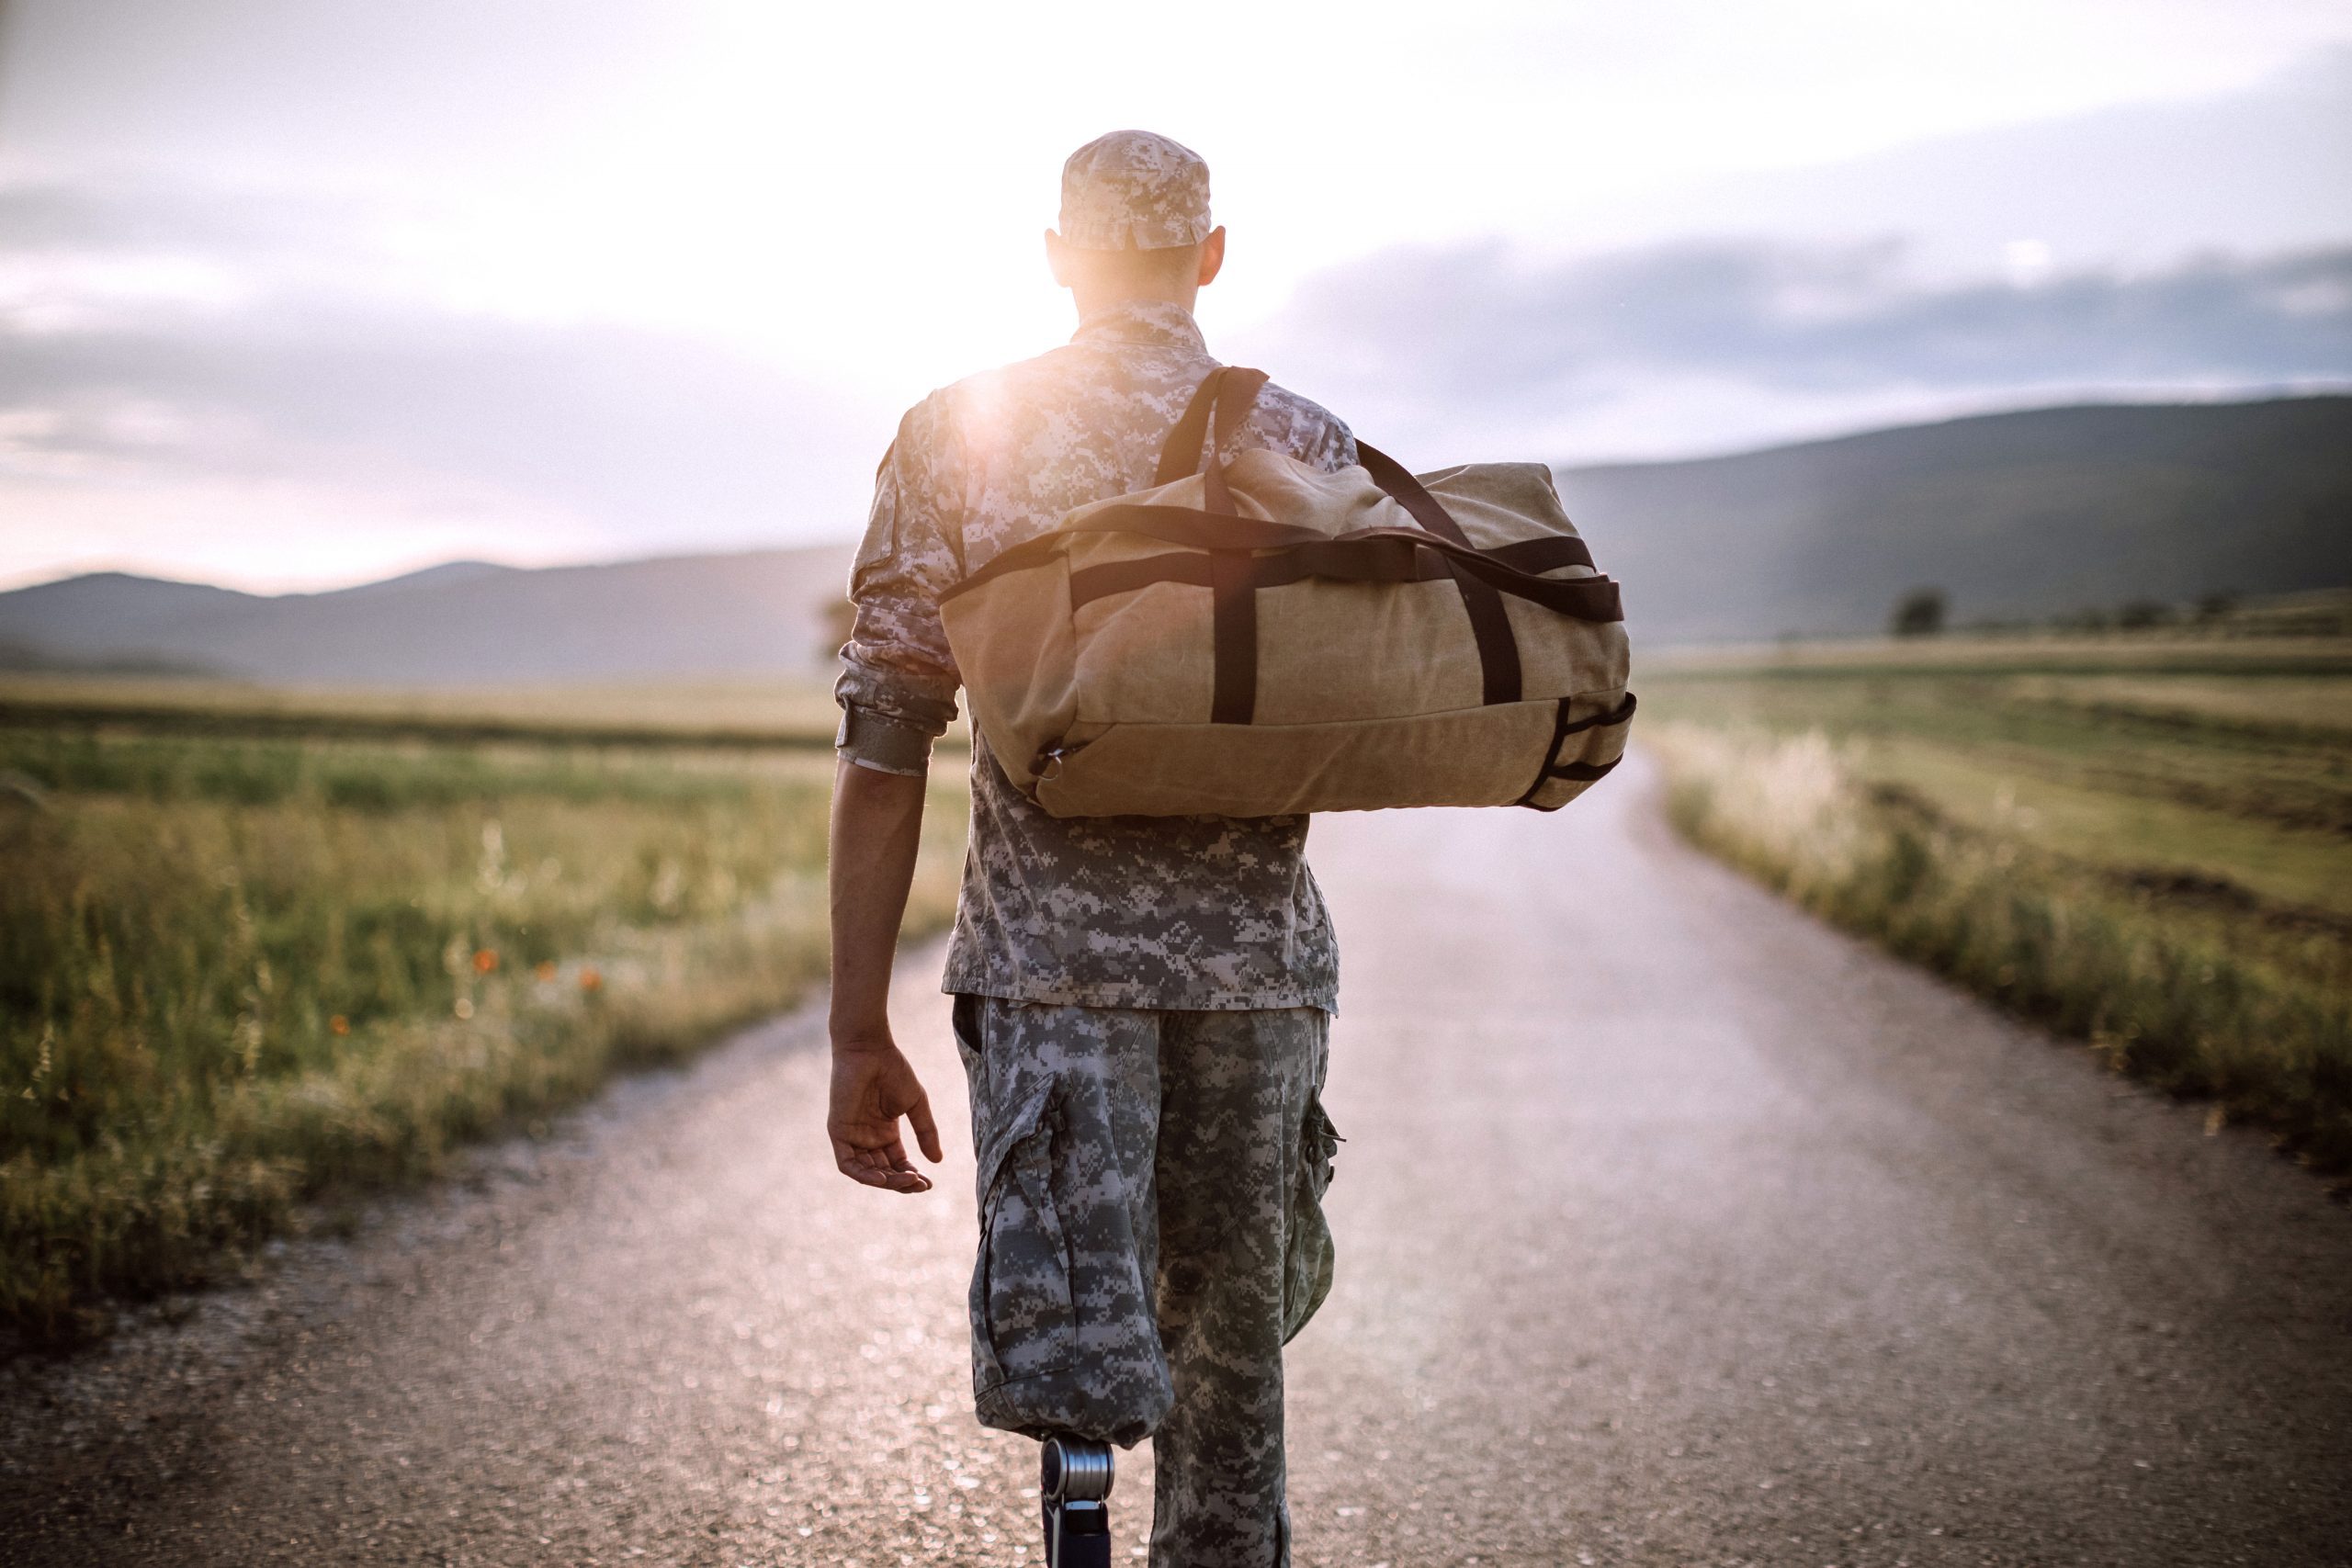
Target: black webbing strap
{"points": [[1236, 390], [1391, 557], [1516, 568], [1498, 670], [1584, 773], [1233, 634], [1552, 551], [1233, 596], [1180, 455]]}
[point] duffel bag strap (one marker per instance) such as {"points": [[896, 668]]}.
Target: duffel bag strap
{"points": [[1228, 391], [1368, 555], [1499, 670]]}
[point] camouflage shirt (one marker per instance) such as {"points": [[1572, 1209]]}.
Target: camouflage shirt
{"points": [[1203, 912]]}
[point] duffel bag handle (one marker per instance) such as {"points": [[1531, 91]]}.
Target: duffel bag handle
{"points": [[1227, 391], [1227, 394]]}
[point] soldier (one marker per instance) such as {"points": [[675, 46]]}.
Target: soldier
{"points": [[1142, 1004]]}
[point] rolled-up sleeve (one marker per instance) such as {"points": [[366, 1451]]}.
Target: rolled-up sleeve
{"points": [[898, 683]]}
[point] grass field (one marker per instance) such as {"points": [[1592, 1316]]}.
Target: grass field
{"points": [[259, 949], [783, 715], [240, 973], [2144, 844]]}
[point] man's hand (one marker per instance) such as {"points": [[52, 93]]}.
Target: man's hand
{"points": [[873, 1086]]}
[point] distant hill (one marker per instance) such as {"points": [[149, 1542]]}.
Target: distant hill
{"points": [[2015, 516], [465, 623]]}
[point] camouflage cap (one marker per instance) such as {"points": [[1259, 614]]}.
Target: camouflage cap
{"points": [[1134, 190]]}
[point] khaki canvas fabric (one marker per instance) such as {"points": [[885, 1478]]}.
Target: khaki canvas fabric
{"points": [[1366, 695]]}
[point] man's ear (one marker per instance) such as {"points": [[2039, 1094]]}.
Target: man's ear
{"points": [[1212, 255], [1057, 258]]}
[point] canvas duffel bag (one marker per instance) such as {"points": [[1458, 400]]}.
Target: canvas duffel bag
{"points": [[1259, 637]]}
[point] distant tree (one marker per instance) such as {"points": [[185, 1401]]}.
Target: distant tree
{"points": [[2213, 606], [2142, 614], [1919, 612]]}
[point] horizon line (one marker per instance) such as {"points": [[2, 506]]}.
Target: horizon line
{"points": [[111, 566]]}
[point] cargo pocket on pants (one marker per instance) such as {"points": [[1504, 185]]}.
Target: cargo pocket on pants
{"points": [[1306, 1237], [1024, 1322]]}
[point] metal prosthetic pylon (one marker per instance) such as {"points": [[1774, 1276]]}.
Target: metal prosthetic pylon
{"points": [[1075, 1483]]}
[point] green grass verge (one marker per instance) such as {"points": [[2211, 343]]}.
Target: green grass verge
{"points": [[236, 976], [2165, 872]]}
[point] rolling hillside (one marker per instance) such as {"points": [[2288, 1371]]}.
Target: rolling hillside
{"points": [[467, 622], [2015, 516]]}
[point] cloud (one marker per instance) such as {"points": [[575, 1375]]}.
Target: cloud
{"points": [[634, 427], [1448, 343], [53, 216], [2265, 169], [154, 338]]}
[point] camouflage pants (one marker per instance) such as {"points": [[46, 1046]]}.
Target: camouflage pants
{"points": [[1152, 1235]]}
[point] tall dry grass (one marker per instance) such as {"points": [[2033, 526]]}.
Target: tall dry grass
{"points": [[2259, 1019], [238, 975]]}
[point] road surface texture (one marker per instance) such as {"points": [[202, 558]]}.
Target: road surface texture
{"points": [[1675, 1229]]}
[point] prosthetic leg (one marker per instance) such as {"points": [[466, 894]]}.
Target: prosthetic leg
{"points": [[1075, 1484]]}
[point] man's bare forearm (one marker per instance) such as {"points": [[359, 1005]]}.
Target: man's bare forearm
{"points": [[876, 828]]}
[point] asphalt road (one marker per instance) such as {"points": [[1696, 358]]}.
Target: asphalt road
{"points": [[1674, 1229]]}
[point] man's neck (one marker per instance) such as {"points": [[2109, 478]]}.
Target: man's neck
{"points": [[1093, 301]]}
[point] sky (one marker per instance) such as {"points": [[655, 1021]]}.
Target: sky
{"points": [[295, 295]]}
